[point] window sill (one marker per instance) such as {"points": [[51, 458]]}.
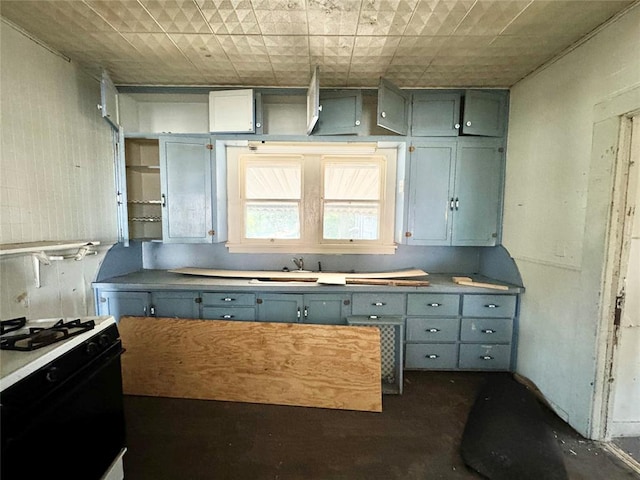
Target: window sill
{"points": [[336, 249]]}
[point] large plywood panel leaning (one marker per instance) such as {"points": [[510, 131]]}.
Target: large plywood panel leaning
{"points": [[324, 366]]}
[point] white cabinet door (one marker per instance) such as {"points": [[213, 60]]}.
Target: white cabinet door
{"points": [[231, 111]]}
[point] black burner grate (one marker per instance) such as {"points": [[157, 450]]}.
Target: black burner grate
{"points": [[39, 337]]}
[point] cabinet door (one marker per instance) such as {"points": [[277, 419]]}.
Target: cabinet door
{"points": [[279, 308], [340, 114], [175, 304], [185, 171], [435, 114], [478, 188], [121, 190], [484, 113], [393, 108], [109, 101], [123, 303], [430, 193], [326, 309], [231, 111]]}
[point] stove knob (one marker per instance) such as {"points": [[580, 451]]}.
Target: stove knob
{"points": [[52, 375], [104, 340], [92, 348]]}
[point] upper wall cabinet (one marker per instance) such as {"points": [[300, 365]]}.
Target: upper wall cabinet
{"points": [[109, 101], [341, 113], [455, 191], [437, 114], [484, 113], [175, 191], [231, 111], [393, 108]]}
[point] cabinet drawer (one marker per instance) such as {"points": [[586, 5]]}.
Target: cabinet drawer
{"points": [[432, 329], [432, 304], [228, 313], [431, 356], [489, 306], [228, 299], [485, 357], [487, 330], [377, 304]]}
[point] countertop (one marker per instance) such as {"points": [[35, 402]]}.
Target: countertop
{"points": [[145, 280]]}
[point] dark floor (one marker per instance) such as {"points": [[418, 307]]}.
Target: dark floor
{"points": [[630, 446], [417, 436]]}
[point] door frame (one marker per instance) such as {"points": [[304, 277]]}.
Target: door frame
{"points": [[619, 108]]}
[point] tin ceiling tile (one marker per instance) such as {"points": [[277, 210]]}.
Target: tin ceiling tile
{"points": [[330, 50], [177, 16], [242, 45], [282, 22], [412, 49], [330, 17], [125, 15], [490, 17], [385, 17], [158, 46], [405, 76], [374, 49], [230, 17], [557, 17], [292, 51], [438, 17], [203, 50]]}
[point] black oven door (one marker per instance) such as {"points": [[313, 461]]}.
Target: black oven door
{"points": [[73, 432]]}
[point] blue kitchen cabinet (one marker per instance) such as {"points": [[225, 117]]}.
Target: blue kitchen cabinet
{"points": [[185, 176], [120, 304], [109, 101], [435, 114], [277, 307], [455, 192], [393, 108], [484, 113], [325, 309], [340, 114], [176, 304]]}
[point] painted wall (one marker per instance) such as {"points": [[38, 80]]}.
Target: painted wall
{"points": [[556, 212], [56, 176]]}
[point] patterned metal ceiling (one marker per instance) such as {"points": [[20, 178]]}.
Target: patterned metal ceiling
{"points": [[413, 43]]}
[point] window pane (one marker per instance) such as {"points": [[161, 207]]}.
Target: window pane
{"points": [[356, 181], [273, 181], [272, 220], [351, 221]]}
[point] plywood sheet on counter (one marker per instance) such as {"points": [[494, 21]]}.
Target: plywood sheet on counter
{"points": [[324, 366], [332, 278]]}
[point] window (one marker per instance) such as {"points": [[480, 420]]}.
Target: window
{"points": [[342, 201]]}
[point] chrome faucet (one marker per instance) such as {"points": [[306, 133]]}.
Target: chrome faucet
{"points": [[299, 263]]}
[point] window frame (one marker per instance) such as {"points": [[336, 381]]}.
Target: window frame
{"points": [[312, 194]]}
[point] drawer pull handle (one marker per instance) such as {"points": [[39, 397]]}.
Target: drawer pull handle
{"points": [[373, 317], [432, 356], [486, 357], [434, 304], [488, 331], [433, 330], [491, 305], [378, 304], [227, 316], [228, 299]]}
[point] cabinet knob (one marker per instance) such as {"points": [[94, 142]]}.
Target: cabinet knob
{"points": [[432, 356], [457, 126], [258, 124], [228, 299], [488, 331], [408, 234], [227, 316], [378, 304], [486, 357], [491, 305], [383, 114], [433, 330], [433, 304], [357, 123], [468, 124]]}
